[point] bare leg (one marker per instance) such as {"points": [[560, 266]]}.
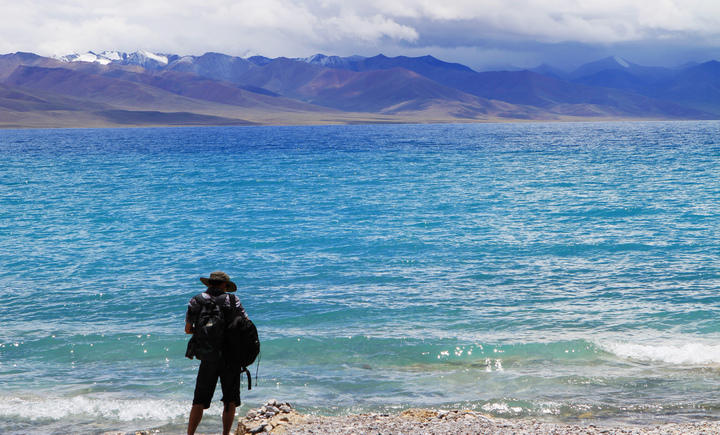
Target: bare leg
{"points": [[228, 417], [196, 414]]}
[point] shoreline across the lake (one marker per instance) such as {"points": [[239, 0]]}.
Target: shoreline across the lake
{"points": [[279, 418]]}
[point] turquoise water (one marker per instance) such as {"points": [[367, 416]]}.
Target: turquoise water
{"points": [[566, 272]]}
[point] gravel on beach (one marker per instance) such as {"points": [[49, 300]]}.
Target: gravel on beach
{"points": [[281, 418]]}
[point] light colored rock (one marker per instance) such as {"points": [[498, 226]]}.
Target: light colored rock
{"points": [[454, 422]]}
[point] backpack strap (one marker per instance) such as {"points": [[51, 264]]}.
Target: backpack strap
{"points": [[233, 304], [247, 372], [202, 301], [220, 301]]}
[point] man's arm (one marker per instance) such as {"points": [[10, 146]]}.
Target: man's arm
{"points": [[191, 315]]}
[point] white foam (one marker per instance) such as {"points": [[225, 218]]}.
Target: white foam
{"points": [[502, 408], [678, 354], [82, 407]]}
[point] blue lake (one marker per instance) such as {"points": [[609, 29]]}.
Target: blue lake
{"points": [[565, 272]]}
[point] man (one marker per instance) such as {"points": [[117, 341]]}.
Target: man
{"points": [[211, 369]]}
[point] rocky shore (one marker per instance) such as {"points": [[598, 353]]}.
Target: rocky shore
{"points": [[281, 418]]}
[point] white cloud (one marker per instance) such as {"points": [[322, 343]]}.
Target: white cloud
{"points": [[303, 27], [189, 24], [606, 21], [370, 29]]}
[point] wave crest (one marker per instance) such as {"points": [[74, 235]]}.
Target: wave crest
{"points": [[38, 408], [695, 354]]}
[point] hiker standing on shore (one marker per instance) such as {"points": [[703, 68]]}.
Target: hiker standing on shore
{"points": [[205, 320]]}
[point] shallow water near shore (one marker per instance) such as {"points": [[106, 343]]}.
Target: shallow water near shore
{"points": [[566, 272]]}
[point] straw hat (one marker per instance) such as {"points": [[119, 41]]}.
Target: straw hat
{"points": [[219, 276]]}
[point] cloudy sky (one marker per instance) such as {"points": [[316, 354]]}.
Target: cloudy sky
{"points": [[482, 34]]}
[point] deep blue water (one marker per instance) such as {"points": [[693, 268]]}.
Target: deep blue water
{"points": [[556, 271]]}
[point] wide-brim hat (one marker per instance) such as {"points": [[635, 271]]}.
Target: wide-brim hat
{"points": [[219, 276]]}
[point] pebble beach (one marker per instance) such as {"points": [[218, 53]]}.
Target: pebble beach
{"points": [[277, 418]]}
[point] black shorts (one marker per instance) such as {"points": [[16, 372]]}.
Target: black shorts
{"points": [[207, 378]]}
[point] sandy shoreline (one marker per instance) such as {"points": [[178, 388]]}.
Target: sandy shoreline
{"points": [[277, 418]]}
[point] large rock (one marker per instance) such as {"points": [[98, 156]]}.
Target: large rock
{"points": [[273, 417]]}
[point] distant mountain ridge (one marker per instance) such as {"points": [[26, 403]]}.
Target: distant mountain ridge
{"points": [[142, 88]]}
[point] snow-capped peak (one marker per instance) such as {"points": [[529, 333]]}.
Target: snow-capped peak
{"points": [[113, 56], [159, 58], [103, 58], [621, 62], [92, 57], [64, 57], [141, 57], [186, 59]]}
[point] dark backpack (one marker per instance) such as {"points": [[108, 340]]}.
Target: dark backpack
{"points": [[206, 344], [241, 345]]}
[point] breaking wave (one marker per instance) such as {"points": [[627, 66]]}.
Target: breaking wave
{"points": [[694, 354]]}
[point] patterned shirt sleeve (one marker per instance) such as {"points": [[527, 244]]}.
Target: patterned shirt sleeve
{"points": [[239, 310], [193, 310]]}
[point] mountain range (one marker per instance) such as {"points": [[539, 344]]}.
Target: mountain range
{"points": [[149, 89]]}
